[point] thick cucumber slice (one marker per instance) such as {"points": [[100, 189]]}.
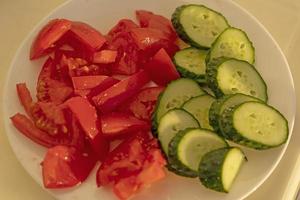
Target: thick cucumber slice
{"points": [[255, 125], [219, 168], [190, 62], [232, 43], [188, 147], [199, 108], [198, 25], [232, 76], [175, 94], [223, 103], [171, 123]]}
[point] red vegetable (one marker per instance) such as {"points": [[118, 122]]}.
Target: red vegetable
{"points": [[105, 56], [25, 97], [118, 124], [88, 119], [161, 68], [111, 98], [124, 25], [143, 104], [47, 37], [66, 166]]}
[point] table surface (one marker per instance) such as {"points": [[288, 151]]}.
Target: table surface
{"points": [[18, 17]]}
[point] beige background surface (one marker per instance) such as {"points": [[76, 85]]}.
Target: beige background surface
{"points": [[18, 17]]}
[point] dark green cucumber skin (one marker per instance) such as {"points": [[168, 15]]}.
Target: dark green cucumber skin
{"points": [[214, 113], [175, 19], [174, 165], [210, 169], [230, 133], [207, 60], [211, 75], [200, 78]]}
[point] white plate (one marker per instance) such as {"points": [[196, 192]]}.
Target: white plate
{"points": [[103, 14]]}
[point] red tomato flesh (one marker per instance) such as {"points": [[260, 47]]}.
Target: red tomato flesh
{"points": [[121, 124], [47, 37], [161, 68], [111, 98], [25, 97], [124, 25], [105, 56]]}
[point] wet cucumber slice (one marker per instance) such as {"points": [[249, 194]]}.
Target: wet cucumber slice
{"points": [[188, 147], [198, 25], [219, 168], [190, 63], [255, 125], [232, 43], [230, 76], [175, 94], [199, 108]]}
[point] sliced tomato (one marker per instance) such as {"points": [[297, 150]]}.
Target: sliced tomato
{"points": [[151, 20], [111, 98], [49, 34], [48, 88], [121, 124], [161, 68], [128, 54], [25, 97], [66, 167], [143, 104], [87, 35], [74, 136], [88, 119], [125, 160], [124, 25], [105, 56]]}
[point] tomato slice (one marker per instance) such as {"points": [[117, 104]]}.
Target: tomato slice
{"points": [[47, 37], [25, 97], [105, 56], [121, 124], [143, 104], [124, 25], [161, 68], [66, 167], [87, 35], [111, 98], [88, 119], [48, 88]]}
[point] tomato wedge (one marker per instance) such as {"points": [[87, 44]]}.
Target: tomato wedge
{"points": [[47, 37], [111, 98], [105, 56], [88, 119], [65, 167], [161, 68], [121, 124], [143, 104], [25, 97], [124, 25], [87, 35]]}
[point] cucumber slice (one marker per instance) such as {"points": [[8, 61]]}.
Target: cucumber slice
{"points": [[232, 76], [187, 148], [219, 168], [173, 121], [190, 63], [198, 25], [255, 125], [232, 43], [199, 108], [223, 103], [175, 94]]}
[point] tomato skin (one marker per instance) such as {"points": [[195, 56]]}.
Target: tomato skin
{"points": [[88, 119], [143, 104], [111, 98], [115, 125], [105, 56], [47, 37], [25, 97], [161, 68], [87, 35]]}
